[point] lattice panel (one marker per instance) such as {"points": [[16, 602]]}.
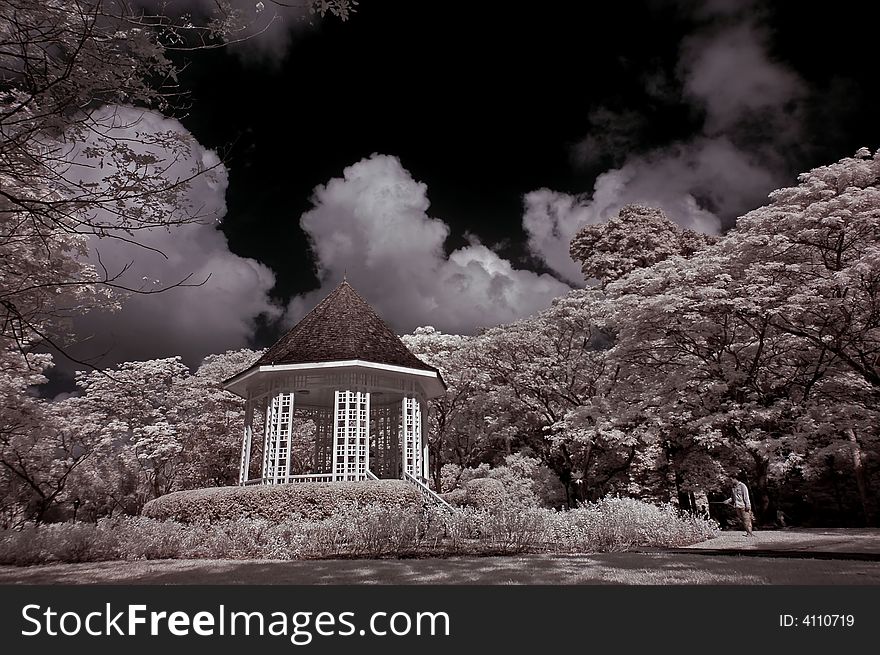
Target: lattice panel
{"points": [[279, 428], [412, 436], [351, 456]]}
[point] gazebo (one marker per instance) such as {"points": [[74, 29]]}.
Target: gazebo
{"points": [[345, 370]]}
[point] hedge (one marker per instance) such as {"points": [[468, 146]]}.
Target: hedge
{"points": [[313, 501], [612, 524], [456, 497], [485, 493]]}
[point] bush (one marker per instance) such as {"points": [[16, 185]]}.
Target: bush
{"points": [[614, 524], [278, 503], [485, 493], [375, 530], [526, 483], [455, 497]]}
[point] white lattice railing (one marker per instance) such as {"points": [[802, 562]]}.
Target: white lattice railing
{"points": [[311, 477], [427, 494], [308, 477]]}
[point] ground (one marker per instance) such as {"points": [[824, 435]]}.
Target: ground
{"points": [[790, 557], [829, 542]]}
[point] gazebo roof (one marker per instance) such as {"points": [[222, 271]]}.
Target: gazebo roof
{"points": [[342, 327]]}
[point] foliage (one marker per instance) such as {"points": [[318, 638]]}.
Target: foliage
{"points": [[41, 447], [616, 523], [78, 162], [455, 419], [734, 350], [637, 237], [485, 493], [756, 352], [523, 480], [277, 503], [383, 530]]}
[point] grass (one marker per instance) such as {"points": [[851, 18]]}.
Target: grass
{"points": [[602, 568]]}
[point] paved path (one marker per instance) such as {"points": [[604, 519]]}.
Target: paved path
{"points": [[830, 543]]}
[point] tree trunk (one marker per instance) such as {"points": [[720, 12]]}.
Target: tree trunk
{"points": [[859, 473], [435, 464], [670, 476]]}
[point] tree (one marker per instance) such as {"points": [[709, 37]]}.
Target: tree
{"points": [[140, 405], [73, 166], [211, 421], [41, 445], [455, 430], [61, 62], [542, 369], [164, 428], [814, 252], [738, 346], [637, 237], [714, 373]]}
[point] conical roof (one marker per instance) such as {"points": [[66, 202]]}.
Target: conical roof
{"points": [[342, 327]]}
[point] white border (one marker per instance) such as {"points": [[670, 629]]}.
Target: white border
{"points": [[339, 364]]}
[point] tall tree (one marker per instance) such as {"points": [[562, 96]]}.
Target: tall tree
{"points": [[638, 236], [540, 370], [814, 254]]}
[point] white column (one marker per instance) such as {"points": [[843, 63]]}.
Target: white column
{"points": [[423, 439], [363, 437], [246, 440], [351, 435], [267, 437], [278, 434], [412, 437], [425, 470]]}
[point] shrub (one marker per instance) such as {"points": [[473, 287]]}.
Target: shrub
{"points": [[370, 531], [455, 497], [374, 530], [521, 530], [485, 493], [526, 482], [22, 547], [614, 524], [279, 503]]}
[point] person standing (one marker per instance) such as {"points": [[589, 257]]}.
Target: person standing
{"points": [[739, 498]]}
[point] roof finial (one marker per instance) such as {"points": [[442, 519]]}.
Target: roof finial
{"points": [[344, 275]]}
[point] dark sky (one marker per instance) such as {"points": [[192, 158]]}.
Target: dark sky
{"points": [[485, 102], [500, 129]]}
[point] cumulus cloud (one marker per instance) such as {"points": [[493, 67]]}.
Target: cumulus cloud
{"points": [[373, 225], [190, 321], [751, 106]]}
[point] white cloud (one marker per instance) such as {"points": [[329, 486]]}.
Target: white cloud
{"points": [[730, 74], [190, 321], [373, 224], [751, 114]]}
